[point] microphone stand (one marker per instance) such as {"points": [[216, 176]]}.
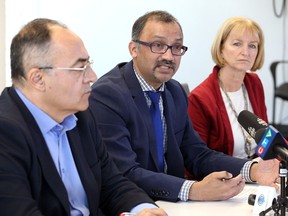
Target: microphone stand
{"points": [[281, 202]]}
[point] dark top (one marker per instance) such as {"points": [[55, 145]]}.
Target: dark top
{"points": [[119, 105], [29, 181]]}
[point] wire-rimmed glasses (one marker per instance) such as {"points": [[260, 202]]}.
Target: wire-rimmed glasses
{"points": [[83, 69], [161, 48]]}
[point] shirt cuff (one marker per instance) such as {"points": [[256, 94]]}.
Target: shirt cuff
{"points": [[142, 206], [184, 192], [245, 171]]}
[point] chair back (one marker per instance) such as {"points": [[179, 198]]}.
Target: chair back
{"points": [[273, 69], [186, 88]]}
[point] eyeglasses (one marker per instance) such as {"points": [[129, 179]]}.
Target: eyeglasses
{"points": [[161, 48], [83, 69]]}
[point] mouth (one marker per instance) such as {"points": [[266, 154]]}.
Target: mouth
{"points": [[244, 60], [87, 91], [164, 69], [166, 66]]}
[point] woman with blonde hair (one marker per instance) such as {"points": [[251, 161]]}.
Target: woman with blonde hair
{"points": [[233, 86]]}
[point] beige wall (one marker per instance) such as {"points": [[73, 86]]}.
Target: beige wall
{"points": [[2, 45]]}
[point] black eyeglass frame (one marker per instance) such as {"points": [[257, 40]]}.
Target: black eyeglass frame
{"points": [[184, 48]]}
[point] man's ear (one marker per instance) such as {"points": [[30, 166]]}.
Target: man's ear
{"points": [[132, 49], [35, 78]]}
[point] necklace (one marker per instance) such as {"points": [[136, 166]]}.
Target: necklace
{"points": [[248, 139]]}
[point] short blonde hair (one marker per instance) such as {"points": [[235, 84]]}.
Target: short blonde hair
{"points": [[240, 23]]}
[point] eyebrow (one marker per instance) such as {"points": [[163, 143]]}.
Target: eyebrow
{"points": [[235, 39], [155, 37], [81, 60]]}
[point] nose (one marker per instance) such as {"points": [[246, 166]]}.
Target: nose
{"points": [[244, 50], [91, 75]]}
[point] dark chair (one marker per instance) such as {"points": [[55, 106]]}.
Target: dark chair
{"points": [[280, 89]]}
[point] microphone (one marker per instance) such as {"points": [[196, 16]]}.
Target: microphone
{"points": [[251, 199], [264, 201], [251, 122], [271, 143]]}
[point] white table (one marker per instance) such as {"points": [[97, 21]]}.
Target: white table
{"points": [[235, 206]]}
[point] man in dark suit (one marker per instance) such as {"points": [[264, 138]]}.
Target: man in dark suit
{"points": [[52, 161], [120, 102]]}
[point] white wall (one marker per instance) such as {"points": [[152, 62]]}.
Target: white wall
{"points": [[105, 26]]}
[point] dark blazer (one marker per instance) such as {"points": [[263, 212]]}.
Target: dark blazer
{"points": [[29, 181], [119, 105]]}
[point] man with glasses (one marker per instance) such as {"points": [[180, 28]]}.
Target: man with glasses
{"points": [[52, 159], [142, 116]]}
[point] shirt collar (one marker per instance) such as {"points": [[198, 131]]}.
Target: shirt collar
{"points": [[146, 86]]}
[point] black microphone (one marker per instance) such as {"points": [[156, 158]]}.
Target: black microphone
{"points": [[251, 122], [271, 143], [251, 199]]}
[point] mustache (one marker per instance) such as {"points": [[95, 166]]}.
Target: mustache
{"points": [[167, 63]]}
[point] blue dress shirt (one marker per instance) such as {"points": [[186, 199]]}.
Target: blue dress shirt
{"points": [[58, 145]]}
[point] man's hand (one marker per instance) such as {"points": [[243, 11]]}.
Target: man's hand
{"points": [[266, 172], [217, 186], [152, 212]]}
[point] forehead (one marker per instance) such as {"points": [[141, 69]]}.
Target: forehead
{"points": [[243, 34], [66, 44], [156, 29]]}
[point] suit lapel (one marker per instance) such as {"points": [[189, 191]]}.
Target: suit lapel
{"points": [[172, 148], [50, 173], [141, 104], [47, 165], [86, 176]]}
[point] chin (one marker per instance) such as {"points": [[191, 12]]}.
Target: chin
{"points": [[83, 107], [166, 79]]}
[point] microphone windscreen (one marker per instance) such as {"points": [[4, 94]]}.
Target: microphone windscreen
{"points": [[251, 199], [251, 122]]}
